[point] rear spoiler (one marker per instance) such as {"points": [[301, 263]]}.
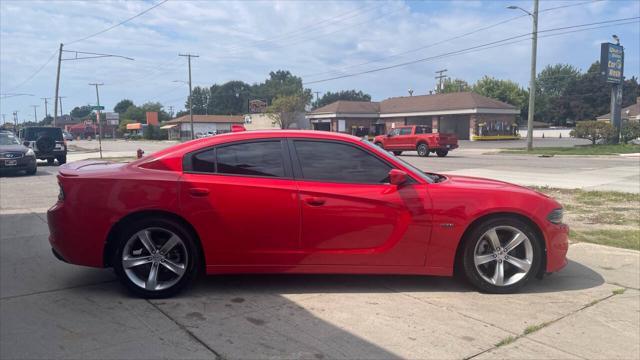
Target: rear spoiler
{"points": [[71, 169]]}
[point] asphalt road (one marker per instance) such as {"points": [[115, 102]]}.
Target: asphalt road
{"points": [[53, 310]]}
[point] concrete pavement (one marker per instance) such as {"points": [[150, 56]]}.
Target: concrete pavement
{"points": [[53, 310]]}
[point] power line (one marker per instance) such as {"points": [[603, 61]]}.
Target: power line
{"points": [[461, 51], [35, 72], [445, 40], [118, 24]]}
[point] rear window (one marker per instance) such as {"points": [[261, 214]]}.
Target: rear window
{"points": [[32, 134]]}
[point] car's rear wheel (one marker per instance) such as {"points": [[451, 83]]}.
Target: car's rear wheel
{"points": [[442, 153], [32, 170], [423, 150], [156, 258], [501, 255], [396, 153], [50, 161], [62, 159]]}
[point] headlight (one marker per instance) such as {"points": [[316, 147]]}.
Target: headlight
{"points": [[556, 216], [30, 153]]}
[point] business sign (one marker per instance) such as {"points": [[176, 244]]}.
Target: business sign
{"points": [[612, 62], [113, 118], [257, 106]]}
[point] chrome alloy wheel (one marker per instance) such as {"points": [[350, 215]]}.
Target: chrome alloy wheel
{"points": [[503, 255], [155, 259]]}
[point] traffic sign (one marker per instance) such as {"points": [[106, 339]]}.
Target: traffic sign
{"points": [[97, 108]]}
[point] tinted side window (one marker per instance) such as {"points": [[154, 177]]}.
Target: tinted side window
{"points": [[204, 161], [255, 158], [329, 161], [405, 131]]}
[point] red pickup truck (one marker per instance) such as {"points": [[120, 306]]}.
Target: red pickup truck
{"points": [[418, 138]]}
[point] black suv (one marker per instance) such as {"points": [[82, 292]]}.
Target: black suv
{"points": [[46, 142]]}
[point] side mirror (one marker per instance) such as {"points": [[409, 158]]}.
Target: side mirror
{"points": [[389, 134], [397, 177]]}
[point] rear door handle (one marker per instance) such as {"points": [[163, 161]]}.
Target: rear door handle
{"points": [[198, 192], [315, 201]]}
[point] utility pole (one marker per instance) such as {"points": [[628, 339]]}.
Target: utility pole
{"points": [[46, 110], [171, 111], [439, 79], [60, 99], [189, 56], [532, 79], [317, 96], [55, 108], [15, 121], [98, 116], [35, 113]]}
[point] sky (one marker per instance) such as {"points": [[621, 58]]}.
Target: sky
{"points": [[317, 40]]}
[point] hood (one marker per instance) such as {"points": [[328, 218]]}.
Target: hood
{"points": [[89, 167], [488, 184], [13, 148]]}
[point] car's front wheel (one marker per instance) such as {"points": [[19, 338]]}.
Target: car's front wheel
{"points": [[397, 153], [501, 255], [156, 258]]}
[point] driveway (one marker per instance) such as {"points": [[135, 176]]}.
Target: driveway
{"points": [[49, 309]]}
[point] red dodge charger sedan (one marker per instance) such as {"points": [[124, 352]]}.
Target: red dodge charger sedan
{"points": [[298, 202]]}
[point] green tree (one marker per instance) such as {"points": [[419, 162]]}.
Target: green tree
{"points": [[155, 107], [122, 106], [551, 84], [454, 85], [630, 131], [282, 83], [200, 96], [134, 113], [594, 131], [230, 98], [349, 95], [504, 90], [81, 112], [283, 109]]}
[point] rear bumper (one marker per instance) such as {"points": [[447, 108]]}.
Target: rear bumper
{"points": [[50, 154], [71, 241], [557, 246]]}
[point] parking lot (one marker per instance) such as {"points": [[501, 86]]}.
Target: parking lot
{"points": [[591, 309]]}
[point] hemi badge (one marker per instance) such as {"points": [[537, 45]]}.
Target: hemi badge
{"points": [[447, 225]]}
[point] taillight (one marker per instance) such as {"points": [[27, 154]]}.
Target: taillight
{"points": [[60, 192]]}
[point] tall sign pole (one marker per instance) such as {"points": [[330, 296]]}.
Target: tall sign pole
{"points": [[612, 68], [98, 108]]}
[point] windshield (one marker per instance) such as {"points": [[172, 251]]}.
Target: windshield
{"points": [[426, 177], [8, 139], [35, 133]]}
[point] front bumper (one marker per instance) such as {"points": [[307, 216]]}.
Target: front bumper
{"points": [[17, 164], [557, 246]]}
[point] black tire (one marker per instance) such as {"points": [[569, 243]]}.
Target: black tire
{"points": [[50, 161], [397, 153], [32, 171], [62, 159], [442, 153], [473, 237], [192, 257], [379, 144], [423, 150]]}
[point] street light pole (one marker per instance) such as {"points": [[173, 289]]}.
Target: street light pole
{"points": [[35, 113], [189, 56], [532, 79]]}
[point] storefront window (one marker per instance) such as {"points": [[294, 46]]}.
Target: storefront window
{"points": [[496, 127]]}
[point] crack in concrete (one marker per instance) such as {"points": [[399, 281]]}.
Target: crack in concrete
{"points": [[184, 328], [56, 290], [546, 324]]}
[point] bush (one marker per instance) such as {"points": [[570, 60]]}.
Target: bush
{"points": [[153, 132], [594, 131], [630, 131]]}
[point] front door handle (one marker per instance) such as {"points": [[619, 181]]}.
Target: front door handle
{"points": [[198, 192], [315, 201]]}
